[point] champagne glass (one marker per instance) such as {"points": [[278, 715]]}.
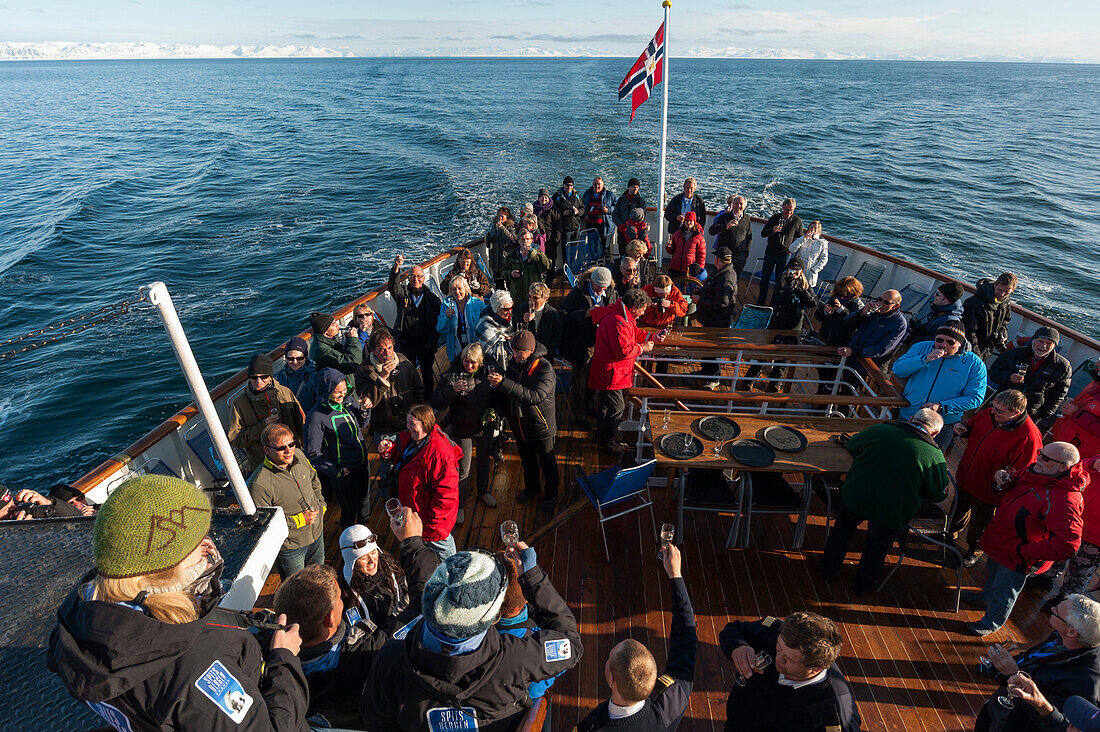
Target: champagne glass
{"points": [[668, 533], [717, 449], [509, 533], [393, 508], [761, 662], [668, 416], [1005, 700]]}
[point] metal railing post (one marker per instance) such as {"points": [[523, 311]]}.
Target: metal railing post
{"points": [[158, 295]]}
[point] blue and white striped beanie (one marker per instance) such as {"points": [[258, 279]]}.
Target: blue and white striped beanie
{"points": [[464, 594]]}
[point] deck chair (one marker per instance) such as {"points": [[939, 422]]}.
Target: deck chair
{"points": [[576, 255], [709, 490], [483, 266], [770, 493], [754, 316], [912, 298], [868, 274], [930, 526], [611, 488], [569, 276], [202, 445], [830, 274]]}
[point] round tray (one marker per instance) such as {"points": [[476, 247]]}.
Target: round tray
{"points": [[722, 429], [784, 438], [753, 453], [681, 445]]}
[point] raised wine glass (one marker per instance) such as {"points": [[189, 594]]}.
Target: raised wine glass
{"points": [[509, 533], [761, 662], [393, 508], [668, 533]]}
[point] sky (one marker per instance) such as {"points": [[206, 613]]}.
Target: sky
{"points": [[1050, 30]]}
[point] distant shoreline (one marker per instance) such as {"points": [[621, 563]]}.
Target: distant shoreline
{"points": [[521, 57]]}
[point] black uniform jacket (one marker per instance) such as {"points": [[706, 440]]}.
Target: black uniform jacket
{"points": [[162, 676], [765, 705], [408, 682], [665, 707]]}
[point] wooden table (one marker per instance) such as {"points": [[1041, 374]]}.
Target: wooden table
{"points": [[822, 455]]}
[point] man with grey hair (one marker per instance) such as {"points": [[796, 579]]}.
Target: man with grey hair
{"points": [[781, 230], [1066, 664], [1038, 522], [896, 467], [594, 288], [414, 325], [627, 275], [732, 229]]}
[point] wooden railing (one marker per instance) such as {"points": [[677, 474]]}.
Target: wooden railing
{"points": [[535, 717]]}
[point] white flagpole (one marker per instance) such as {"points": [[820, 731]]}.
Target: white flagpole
{"points": [[660, 243]]}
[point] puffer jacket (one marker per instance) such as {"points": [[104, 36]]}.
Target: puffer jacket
{"points": [[447, 325], [1091, 511], [876, 335], [815, 255], [956, 382], [468, 407], [624, 207], [334, 432], [1045, 383], [657, 317], [618, 340], [985, 319], [427, 480], [990, 447], [686, 251], [1039, 521], [250, 409], [833, 329], [529, 389]]}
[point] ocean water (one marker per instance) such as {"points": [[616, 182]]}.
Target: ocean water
{"points": [[262, 190]]}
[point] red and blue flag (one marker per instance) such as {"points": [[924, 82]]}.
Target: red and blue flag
{"points": [[645, 74]]}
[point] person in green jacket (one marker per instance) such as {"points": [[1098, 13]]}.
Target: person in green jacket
{"points": [[524, 266], [330, 350], [896, 466], [287, 479]]}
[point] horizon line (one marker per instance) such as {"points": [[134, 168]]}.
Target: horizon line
{"points": [[512, 57]]}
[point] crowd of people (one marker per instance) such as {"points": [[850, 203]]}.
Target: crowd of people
{"points": [[442, 637]]}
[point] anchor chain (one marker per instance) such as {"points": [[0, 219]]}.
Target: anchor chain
{"points": [[68, 327]]}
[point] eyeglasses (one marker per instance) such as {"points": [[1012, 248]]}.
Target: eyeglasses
{"points": [[371, 539], [283, 448], [295, 359], [417, 277], [1054, 613], [947, 341]]}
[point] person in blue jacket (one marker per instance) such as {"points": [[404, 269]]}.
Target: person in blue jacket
{"points": [[944, 375], [336, 445], [944, 305], [640, 699], [458, 317], [879, 328], [300, 373]]}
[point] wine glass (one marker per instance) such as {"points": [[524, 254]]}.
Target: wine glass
{"points": [[668, 533], [509, 533], [718, 449], [668, 416], [393, 508], [761, 662], [1005, 700]]}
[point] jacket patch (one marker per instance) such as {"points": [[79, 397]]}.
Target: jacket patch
{"points": [[558, 650], [449, 719], [113, 715], [220, 687]]}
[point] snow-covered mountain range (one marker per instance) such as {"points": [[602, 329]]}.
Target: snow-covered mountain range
{"points": [[66, 51]]}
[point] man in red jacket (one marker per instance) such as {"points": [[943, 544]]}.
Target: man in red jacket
{"points": [[1038, 523], [619, 342], [1000, 437]]}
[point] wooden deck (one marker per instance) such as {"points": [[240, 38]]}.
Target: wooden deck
{"points": [[908, 666]]}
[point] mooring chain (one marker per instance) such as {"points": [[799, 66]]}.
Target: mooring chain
{"points": [[68, 327]]}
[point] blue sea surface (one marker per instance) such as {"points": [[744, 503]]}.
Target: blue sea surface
{"points": [[262, 190]]}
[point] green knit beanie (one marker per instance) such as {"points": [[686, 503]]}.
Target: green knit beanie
{"points": [[149, 524]]}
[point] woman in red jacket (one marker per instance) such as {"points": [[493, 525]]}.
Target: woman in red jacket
{"points": [[619, 342], [426, 464], [1080, 421], [998, 437], [667, 304], [687, 246]]}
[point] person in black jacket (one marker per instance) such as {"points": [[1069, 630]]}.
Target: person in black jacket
{"points": [[640, 699], [986, 314], [798, 688], [450, 670], [732, 229], [338, 642], [1067, 663], [541, 318], [625, 205], [780, 230], [528, 385], [567, 216], [790, 301], [716, 301], [1035, 369], [336, 444], [594, 288], [417, 313], [681, 204], [134, 640], [465, 389]]}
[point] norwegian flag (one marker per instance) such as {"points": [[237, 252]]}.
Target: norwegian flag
{"points": [[645, 74]]}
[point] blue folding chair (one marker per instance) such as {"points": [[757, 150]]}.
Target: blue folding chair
{"points": [[576, 255], [434, 287], [912, 298], [612, 487], [830, 273], [484, 267], [754, 316], [203, 446], [569, 276], [869, 273]]}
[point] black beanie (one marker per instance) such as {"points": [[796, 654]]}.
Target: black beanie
{"points": [[951, 290], [320, 322], [544, 192], [568, 180], [633, 182], [260, 365]]}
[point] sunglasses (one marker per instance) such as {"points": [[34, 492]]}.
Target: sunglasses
{"points": [[884, 301], [283, 448], [295, 359], [364, 315], [372, 539], [258, 377], [948, 341], [1048, 459]]}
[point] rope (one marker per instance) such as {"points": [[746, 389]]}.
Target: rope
{"points": [[68, 327]]}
